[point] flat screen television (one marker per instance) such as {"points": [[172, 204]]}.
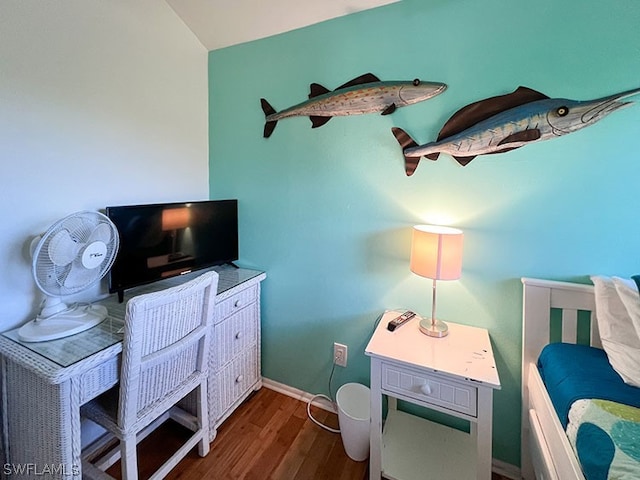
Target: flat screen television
{"points": [[163, 240]]}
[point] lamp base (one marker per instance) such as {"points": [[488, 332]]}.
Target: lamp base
{"points": [[434, 328]]}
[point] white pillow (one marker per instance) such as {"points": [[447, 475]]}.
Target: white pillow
{"points": [[628, 291], [617, 332]]}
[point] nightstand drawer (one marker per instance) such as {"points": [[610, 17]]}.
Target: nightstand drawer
{"points": [[432, 389]]}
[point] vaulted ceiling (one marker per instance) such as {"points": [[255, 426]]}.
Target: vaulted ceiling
{"points": [[221, 23]]}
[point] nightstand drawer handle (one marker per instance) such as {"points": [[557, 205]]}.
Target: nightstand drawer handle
{"points": [[239, 379], [238, 303], [238, 335], [425, 388]]}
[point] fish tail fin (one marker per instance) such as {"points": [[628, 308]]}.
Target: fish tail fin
{"points": [[405, 141], [410, 164], [270, 125]]}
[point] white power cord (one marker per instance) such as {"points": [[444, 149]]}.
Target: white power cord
{"points": [[320, 395]]}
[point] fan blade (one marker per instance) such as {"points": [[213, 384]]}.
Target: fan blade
{"points": [[62, 249], [80, 277], [48, 277], [101, 233]]}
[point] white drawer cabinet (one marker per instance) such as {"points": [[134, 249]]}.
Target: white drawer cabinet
{"points": [[454, 375], [234, 356]]}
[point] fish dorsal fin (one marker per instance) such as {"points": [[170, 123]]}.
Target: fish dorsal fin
{"points": [[481, 110], [318, 121], [316, 89], [365, 78]]}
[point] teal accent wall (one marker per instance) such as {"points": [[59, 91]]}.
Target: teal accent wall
{"points": [[328, 212]]}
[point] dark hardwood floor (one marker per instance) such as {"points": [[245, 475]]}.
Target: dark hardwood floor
{"points": [[268, 437]]}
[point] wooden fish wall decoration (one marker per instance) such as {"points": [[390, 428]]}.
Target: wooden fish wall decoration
{"points": [[503, 123], [364, 94]]}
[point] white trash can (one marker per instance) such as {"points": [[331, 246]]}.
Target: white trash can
{"points": [[354, 415]]}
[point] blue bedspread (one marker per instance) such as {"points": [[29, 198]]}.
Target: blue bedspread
{"points": [[600, 413], [573, 372]]}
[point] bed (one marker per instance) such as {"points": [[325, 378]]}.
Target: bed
{"points": [[564, 310]]}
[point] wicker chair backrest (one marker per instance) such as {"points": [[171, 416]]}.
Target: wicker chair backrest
{"points": [[165, 347]]}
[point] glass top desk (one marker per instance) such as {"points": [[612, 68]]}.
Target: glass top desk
{"points": [[45, 383]]}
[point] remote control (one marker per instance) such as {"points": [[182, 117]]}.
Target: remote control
{"points": [[400, 320]]}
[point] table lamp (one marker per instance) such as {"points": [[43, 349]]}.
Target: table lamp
{"points": [[174, 219], [436, 253]]}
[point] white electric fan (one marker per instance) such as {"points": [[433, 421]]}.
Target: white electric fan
{"points": [[75, 253]]}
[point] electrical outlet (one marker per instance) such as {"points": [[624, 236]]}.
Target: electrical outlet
{"points": [[340, 354]]}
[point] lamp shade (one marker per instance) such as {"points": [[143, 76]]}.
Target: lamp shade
{"points": [[175, 218], [436, 252]]}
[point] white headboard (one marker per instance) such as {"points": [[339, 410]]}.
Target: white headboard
{"points": [[539, 297]]}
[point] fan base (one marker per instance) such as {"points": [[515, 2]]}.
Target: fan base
{"points": [[76, 320]]}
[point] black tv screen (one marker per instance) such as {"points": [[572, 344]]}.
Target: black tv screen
{"points": [[164, 240]]}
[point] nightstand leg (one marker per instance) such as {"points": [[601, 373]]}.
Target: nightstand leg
{"points": [[375, 436], [483, 432]]}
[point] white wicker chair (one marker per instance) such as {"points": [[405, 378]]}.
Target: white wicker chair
{"points": [[164, 358]]}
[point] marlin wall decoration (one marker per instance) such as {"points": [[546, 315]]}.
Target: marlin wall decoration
{"points": [[364, 94], [503, 123]]}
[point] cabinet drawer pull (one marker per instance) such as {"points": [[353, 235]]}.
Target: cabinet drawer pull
{"points": [[238, 335], [239, 378], [238, 303], [425, 388]]}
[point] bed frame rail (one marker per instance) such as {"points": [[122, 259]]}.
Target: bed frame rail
{"points": [[539, 298]]}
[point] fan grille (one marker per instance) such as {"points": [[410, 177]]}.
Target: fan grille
{"points": [[60, 259]]}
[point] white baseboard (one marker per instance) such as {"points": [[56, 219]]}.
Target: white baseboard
{"points": [[505, 469], [298, 394], [498, 466]]}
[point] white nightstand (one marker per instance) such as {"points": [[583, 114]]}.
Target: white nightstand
{"points": [[455, 375]]}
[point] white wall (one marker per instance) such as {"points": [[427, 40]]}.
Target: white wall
{"points": [[101, 103]]}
